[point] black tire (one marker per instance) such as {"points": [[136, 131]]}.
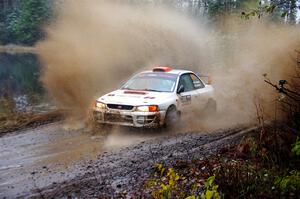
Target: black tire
{"points": [[172, 117]]}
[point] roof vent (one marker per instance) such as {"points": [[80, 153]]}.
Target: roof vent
{"points": [[162, 69]]}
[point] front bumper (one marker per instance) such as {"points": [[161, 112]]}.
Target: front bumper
{"points": [[129, 118]]}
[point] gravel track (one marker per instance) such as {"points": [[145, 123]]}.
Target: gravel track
{"points": [[121, 171]]}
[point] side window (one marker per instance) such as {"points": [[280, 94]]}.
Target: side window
{"points": [[187, 82], [196, 82]]}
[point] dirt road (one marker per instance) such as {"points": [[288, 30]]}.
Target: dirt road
{"points": [[50, 161], [36, 158]]}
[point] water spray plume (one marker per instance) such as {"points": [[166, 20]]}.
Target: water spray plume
{"points": [[92, 47]]}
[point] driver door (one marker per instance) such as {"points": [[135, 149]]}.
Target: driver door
{"points": [[187, 97]]}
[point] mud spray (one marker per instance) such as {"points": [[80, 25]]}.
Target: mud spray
{"points": [[92, 47]]}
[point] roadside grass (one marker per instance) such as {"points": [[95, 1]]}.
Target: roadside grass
{"points": [[17, 49], [37, 113], [267, 167], [12, 122]]}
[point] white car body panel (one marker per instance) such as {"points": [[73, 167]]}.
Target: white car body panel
{"points": [[119, 97], [184, 102]]}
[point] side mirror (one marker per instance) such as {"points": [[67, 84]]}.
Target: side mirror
{"points": [[180, 89]]}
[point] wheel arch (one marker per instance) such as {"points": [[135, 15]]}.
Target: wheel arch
{"points": [[173, 106]]}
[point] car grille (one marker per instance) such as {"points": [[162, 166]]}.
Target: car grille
{"points": [[120, 106], [109, 117]]}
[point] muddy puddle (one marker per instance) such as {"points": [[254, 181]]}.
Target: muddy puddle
{"points": [[51, 154]]}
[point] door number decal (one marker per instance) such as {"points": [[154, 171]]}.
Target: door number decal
{"points": [[186, 99]]}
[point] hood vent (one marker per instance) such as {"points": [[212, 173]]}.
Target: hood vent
{"points": [[135, 92]]}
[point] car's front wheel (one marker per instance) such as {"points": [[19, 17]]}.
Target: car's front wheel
{"points": [[172, 117]]}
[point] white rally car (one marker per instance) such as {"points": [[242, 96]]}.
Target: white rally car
{"points": [[154, 98]]}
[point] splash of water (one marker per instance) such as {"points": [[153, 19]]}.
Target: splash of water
{"points": [[94, 46]]}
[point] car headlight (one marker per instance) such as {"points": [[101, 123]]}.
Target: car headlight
{"points": [[100, 105], [152, 108]]}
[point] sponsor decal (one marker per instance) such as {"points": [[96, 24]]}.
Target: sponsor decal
{"points": [[186, 99]]}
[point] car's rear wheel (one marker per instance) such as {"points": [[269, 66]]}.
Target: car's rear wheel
{"points": [[211, 106], [172, 117]]}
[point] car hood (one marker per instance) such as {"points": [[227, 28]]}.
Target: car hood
{"points": [[134, 98]]}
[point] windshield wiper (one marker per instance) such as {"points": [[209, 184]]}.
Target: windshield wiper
{"points": [[144, 89], [127, 89], [147, 89]]}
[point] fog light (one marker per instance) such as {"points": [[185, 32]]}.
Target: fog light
{"points": [[141, 119], [98, 116]]}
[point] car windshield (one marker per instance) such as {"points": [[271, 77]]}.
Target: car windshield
{"points": [[152, 81]]}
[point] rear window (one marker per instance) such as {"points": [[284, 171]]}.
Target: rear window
{"points": [[197, 82]]}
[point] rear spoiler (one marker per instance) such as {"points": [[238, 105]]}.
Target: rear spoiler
{"points": [[206, 78]]}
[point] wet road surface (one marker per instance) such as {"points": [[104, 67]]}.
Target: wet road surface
{"points": [[49, 154], [52, 162]]}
